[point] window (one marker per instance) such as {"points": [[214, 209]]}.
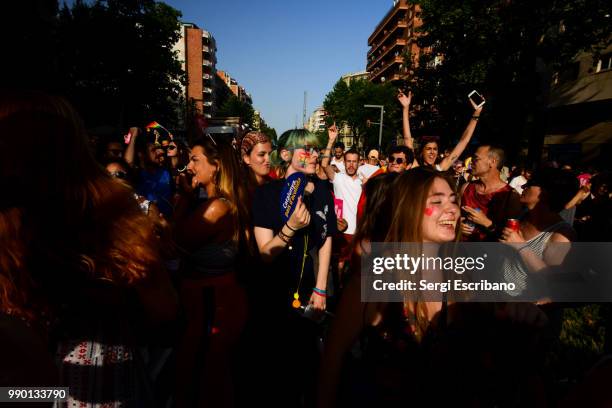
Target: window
{"points": [[605, 63]]}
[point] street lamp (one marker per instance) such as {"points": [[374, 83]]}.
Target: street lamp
{"points": [[380, 124]]}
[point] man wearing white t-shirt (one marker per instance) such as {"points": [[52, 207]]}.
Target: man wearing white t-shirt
{"points": [[338, 158], [347, 187]]}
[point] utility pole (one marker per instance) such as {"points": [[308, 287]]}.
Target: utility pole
{"points": [[305, 111]]}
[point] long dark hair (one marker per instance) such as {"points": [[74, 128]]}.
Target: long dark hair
{"points": [[375, 221], [62, 218]]}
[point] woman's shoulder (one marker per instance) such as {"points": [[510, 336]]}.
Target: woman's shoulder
{"points": [[214, 208]]}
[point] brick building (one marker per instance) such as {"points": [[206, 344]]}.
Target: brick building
{"points": [[392, 41], [197, 52]]}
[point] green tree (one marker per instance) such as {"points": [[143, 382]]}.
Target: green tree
{"points": [[233, 106], [506, 49], [345, 105], [117, 62], [268, 131]]}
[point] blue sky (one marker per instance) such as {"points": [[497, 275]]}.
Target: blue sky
{"points": [[279, 49]]}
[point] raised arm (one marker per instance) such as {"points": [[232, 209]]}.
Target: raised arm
{"points": [[332, 133], [446, 163], [130, 151], [408, 140], [405, 101]]}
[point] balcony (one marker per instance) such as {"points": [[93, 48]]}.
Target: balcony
{"points": [[205, 48], [208, 103], [401, 5], [396, 60], [398, 42], [400, 24], [206, 76], [206, 63], [207, 90]]}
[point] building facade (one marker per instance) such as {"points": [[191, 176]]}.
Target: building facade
{"points": [[316, 121], [196, 50], [580, 113], [393, 42], [234, 87]]}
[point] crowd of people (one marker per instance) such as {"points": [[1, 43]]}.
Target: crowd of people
{"points": [[149, 271]]}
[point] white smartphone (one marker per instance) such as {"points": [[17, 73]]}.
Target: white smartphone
{"points": [[476, 98]]}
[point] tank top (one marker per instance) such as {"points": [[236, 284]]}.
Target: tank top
{"points": [[516, 272]]}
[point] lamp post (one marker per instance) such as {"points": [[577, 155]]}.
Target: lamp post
{"points": [[380, 124]]}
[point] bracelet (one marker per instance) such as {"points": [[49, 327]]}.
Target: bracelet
{"points": [[320, 291], [475, 117], [287, 225], [320, 294], [285, 235], [284, 239]]}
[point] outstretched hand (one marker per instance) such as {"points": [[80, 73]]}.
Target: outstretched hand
{"points": [[477, 109], [332, 132], [404, 99]]}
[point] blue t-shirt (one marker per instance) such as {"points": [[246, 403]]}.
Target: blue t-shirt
{"points": [[157, 187]]}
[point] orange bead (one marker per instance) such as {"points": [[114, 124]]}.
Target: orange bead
{"points": [[296, 304]]}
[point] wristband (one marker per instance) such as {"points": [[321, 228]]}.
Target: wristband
{"points": [[283, 238], [320, 294], [320, 291], [475, 117], [287, 225]]}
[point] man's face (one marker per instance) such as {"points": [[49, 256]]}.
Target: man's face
{"points": [[397, 163], [482, 163], [458, 168], [114, 150], [338, 152], [528, 174], [154, 154], [430, 153], [351, 163]]}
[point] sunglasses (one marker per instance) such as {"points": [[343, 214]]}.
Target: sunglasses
{"points": [[397, 160], [308, 149], [119, 174]]}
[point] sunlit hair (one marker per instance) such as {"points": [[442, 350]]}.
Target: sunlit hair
{"points": [[292, 139], [62, 218], [411, 190], [228, 183]]}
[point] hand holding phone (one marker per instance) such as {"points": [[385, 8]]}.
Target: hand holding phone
{"points": [[476, 99]]}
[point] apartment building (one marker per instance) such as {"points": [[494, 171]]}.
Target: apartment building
{"points": [[392, 42], [197, 50]]}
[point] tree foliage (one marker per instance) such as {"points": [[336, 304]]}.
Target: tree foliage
{"points": [[112, 59], [345, 105], [233, 106], [117, 61], [507, 50]]}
